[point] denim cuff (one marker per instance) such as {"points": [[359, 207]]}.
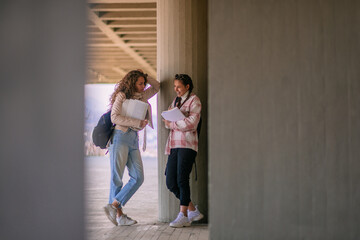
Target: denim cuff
{"points": [[120, 207]]}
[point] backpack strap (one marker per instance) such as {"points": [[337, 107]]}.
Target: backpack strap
{"points": [[195, 170]]}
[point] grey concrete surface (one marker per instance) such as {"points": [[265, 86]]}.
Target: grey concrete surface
{"points": [[284, 119], [42, 75]]}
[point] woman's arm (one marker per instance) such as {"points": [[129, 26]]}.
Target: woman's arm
{"points": [[189, 123], [116, 116], [153, 89]]}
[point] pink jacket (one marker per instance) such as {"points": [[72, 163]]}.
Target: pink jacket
{"points": [[183, 133]]}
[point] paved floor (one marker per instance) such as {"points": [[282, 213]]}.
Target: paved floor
{"points": [[97, 177]]}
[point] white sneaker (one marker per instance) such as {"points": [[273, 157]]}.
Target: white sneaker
{"points": [[195, 215], [124, 220], [180, 221], [110, 212]]}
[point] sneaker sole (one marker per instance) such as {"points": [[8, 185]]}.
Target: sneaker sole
{"points": [[198, 218], [128, 224], [185, 225], [107, 213]]}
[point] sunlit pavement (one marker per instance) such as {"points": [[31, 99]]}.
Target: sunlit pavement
{"points": [[143, 207]]}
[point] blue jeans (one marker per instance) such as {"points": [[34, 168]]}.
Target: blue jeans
{"points": [[124, 151]]}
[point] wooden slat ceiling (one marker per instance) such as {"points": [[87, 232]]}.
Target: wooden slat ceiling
{"points": [[121, 37]]}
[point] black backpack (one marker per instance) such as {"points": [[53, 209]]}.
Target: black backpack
{"points": [[199, 128], [103, 130]]}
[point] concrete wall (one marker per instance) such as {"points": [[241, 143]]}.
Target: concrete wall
{"points": [[42, 66], [284, 119], [182, 48]]}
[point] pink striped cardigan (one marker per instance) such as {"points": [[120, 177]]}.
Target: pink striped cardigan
{"points": [[183, 133]]}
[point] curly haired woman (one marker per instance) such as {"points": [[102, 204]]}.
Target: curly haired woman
{"points": [[124, 147]]}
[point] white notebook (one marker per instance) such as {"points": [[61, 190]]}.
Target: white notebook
{"points": [[134, 108], [173, 115]]}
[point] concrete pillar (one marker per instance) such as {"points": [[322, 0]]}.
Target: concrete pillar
{"points": [[182, 48], [42, 72], [284, 160]]}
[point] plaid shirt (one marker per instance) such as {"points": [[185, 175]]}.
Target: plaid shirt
{"points": [[183, 133]]}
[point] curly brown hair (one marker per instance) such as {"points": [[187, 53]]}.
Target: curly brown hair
{"points": [[127, 85]]}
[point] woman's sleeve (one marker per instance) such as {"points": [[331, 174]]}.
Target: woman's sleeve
{"points": [[189, 123], [153, 89], [116, 116]]}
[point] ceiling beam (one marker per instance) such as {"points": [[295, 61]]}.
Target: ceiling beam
{"points": [[107, 54], [103, 61], [102, 41], [115, 18], [110, 66], [109, 49], [149, 48], [101, 45], [119, 70], [139, 36], [132, 44], [148, 54], [107, 9], [117, 57], [95, 38], [132, 23], [111, 7], [120, 43], [132, 41], [95, 34], [105, 45], [121, 31], [125, 15]]}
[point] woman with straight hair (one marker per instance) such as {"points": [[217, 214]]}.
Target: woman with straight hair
{"points": [[182, 147], [124, 143]]}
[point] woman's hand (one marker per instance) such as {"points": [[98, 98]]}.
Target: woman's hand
{"points": [[143, 123], [167, 123]]}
